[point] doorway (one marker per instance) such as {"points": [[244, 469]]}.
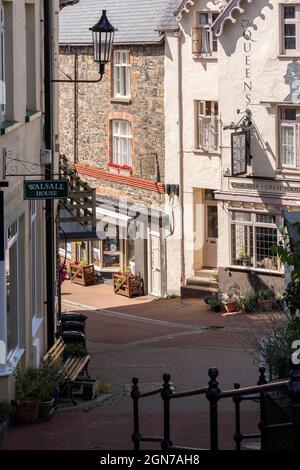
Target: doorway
{"points": [[211, 230]]}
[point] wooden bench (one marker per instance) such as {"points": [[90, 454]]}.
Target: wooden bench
{"points": [[73, 367]]}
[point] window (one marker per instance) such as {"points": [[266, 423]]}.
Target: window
{"points": [[289, 136], [30, 57], [12, 286], [291, 29], [207, 126], [106, 253], [2, 65], [121, 133], [204, 39], [253, 236], [33, 259], [122, 74]]}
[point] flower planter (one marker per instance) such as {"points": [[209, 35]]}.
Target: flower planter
{"points": [[46, 410], [128, 284], [266, 305]]}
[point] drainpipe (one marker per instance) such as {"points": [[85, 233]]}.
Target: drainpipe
{"points": [[75, 107], [4, 371], [49, 210], [181, 154]]}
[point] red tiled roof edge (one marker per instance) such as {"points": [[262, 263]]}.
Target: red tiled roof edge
{"points": [[121, 179]]}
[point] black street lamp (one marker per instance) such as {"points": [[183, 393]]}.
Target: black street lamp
{"points": [[103, 38]]}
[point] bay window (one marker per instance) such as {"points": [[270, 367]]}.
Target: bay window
{"points": [[121, 142], [207, 126], [289, 122], [253, 236], [121, 76]]}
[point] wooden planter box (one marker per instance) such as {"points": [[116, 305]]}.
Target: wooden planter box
{"points": [[83, 274], [128, 284]]}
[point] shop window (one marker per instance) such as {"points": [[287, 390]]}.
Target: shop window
{"points": [[253, 237], [106, 253], [12, 287]]}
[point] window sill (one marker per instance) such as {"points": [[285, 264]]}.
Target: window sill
{"points": [[255, 270], [36, 324], [32, 115], [289, 56], [9, 126], [117, 99], [288, 171], [15, 357], [206, 153], [200, 57]]}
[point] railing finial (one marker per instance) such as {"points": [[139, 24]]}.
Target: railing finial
{"points": [[262, 376]]}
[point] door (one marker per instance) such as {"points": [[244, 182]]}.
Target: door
{"points": [[211, 234], [155, 264]]}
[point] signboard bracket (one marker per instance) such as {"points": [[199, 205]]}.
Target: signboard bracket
{"points": [[14, 167]]}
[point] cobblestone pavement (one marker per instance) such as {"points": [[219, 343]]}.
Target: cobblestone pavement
{"points": [[146, 338]]}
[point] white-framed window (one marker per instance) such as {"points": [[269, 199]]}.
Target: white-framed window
{"points": [[12, 287], [253, 236], [121, 142], [122, 71], [289, 133], [33, 213], [2, 65], [207, 125], [290, 29], [204, 40]]}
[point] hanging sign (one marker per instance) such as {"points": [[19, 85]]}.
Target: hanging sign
{"points": [[240, 152], [46, 189]]}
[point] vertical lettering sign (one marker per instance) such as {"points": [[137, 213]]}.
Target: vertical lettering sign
{"points": [[239, 153]]}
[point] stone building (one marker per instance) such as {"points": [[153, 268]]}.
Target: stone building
{"points": [[113, 132]]}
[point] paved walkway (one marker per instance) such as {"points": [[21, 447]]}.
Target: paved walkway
{"points": [[146, 337]]}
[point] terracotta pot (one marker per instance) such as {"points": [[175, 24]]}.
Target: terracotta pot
{"points": [[231, 306], [27, 412], [266, 304]]}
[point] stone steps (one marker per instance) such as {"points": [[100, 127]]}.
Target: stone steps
{"points": [[200, 285]]}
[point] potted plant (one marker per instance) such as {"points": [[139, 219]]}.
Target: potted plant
{"points": [[230, 301], [244, 258], [265, 299], [215, 304], [6, 412], [48, 378], [26, 404], [247, 302]]}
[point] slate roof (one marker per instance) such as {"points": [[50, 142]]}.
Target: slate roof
{"points": [[137, 21]]}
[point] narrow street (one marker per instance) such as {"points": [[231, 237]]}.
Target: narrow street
{"points": [[145, 337]]}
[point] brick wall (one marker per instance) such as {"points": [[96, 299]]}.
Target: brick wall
{"points": [[97, 107]]}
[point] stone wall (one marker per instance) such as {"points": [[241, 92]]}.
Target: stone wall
{"points": [[97, 107]]}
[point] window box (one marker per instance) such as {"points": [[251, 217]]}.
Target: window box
{"points": [[119, 169]]}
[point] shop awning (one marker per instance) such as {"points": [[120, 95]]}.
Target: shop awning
{"points": [[114, 218]]}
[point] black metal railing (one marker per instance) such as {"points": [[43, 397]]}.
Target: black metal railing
{"points": [[213, 394]]}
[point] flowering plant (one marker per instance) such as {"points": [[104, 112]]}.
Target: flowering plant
{"points": [[123, 167]]}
